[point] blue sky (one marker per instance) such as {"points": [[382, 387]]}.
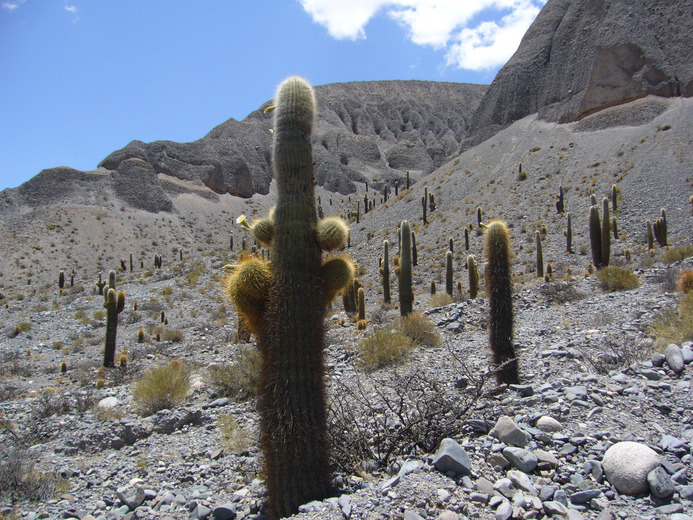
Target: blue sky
{"points": [[80, 79]]}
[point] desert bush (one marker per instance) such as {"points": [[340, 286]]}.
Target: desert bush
{"points": [[618, 279], [560, 292], [235, 438], [440, 299], [161, 387], [674, 254], [172, 335], [19, 478], [238, 380], [674, 326], [383, 347], [685, 282], [420, 329]]}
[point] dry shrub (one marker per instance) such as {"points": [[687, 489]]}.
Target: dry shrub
{"points": [[235, 438], [238, 380], [674, 326], [420, 329], [383, 347], [440, 299], [172, 335], [674, 254], [685, 282], [618, 279], [161, 387]]}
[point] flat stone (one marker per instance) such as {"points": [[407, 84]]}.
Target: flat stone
{"points": [[574, 515], [555, 508], [452, 457], [497, 460], [409, 467], [660, 483], [584, 497], [131, 496], [225, 512], [548, 424], [687, 355], [546, 458], [448, 515], [508, 432], [411, 515], [504, 511], [521, 459], [674, 357], [522, 481], [108, 403], [627, 464], [671, 443]]}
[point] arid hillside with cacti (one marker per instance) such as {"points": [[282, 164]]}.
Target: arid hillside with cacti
{"points": [[397, 324]]}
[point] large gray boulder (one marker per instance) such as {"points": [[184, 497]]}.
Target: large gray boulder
{"points": [[581, 56]]}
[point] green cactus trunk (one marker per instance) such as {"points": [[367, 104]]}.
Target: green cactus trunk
{"points": [[448, 272], [595, 236], [292, 402], [414, 254], [473, 277], [499, 287], [540, 255], [569, 235], [650, 236], [606, 233], [386, 272], [406, 294], [114, 305]]}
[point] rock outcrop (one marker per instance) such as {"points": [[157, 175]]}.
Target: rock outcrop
{"points": [[581, 56]]}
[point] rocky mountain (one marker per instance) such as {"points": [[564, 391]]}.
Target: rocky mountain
{"points": [[581, 56], [366, 131]]}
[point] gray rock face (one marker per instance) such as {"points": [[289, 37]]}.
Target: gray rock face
{"points": [[375, 131], [579, 57], [136, 183], [627, 464]]}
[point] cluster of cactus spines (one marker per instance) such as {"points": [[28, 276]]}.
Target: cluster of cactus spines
{"points": [[414, 254], [385, 272], [61, 280], [292, 401], [473, 277], [560, 201], [406, 293], [569, 235], [100, 284], [540, 255], [448, 272], [361, 298], [660, 229], [114, 305], [424, 201], [499, 287]]}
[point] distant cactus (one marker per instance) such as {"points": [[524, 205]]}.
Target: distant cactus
{"points": [[540, 255], [114, 305], [473, 277], [478, 216], [63, 367], [131, 264], [140, 335], [499, 287], [407, 179], [614, 227], [593, 200], [292, 401], [614, 198], [406, 293], [123, 360], [660, 229], [61, 280], [451, 245], [424, 200], [650, 236], [72, 278], [569, 235], [433, 287], [466, 238], [100, 284], [448, 272], [627, 254], [385, 272], [560, 202], [100, 383], [606, 234], [361, 297], [431, 203], [162, 315], [414, 254], [595, 228]]}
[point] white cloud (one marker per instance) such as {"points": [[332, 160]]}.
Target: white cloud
{"points": [[11, 6], [475, 34], [71, 8]]}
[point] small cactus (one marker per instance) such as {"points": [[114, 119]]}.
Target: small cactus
{"points": [[100, 284], [114, 305], [595, 228], [560, 201], [606, 234], [569, 235], [361, 297], [385, 272], [61, 280], [499, 286], [100, 383], [414, 254], [540, 255], [406, 294], [448, 272], [473, 277], [433, 287], [614, 198], [650, 236], [63, 367], [660, 229], [424, 205], [466, 238], [140, 335]]}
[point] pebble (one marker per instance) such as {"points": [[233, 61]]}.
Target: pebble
{"points": [[674, 357], [508, 432]]}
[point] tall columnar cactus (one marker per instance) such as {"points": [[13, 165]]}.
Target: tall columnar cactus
{"points": [[361, 299], [61, 280], [569, 235], [595, 236], [560, 201], [650, 236], [290, 311], [614, 197], [406, 293], [114, 305], [660, 229], [614, 227], [473, 277], [466, 238], [478, 216], [540, 255], [606, 233], [498, 284], [424, 200], [451, 244], [448, 272], [385, 272], [100, 284], [132, 268]]}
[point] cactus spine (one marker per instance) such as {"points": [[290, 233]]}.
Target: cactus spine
{"points": [[292, 401], [540, 255], [385, 271], [114, 305], [448, 272], [498, 282], [406, 294]]}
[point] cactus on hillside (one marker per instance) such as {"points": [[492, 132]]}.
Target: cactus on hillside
{"points": [[650, 236], [569, 235], [433, 287], [595, 228], [361, 299], [606, 234], [540, 255], [414, 254], [466, 238], [499, 287], [473, 277], [660, 229], [100, 284], [61, 280], [560, 201], [448, 272], [114, 305], [424, 199], [614, 197], [292, 401], [385, 271], [406, 293]]}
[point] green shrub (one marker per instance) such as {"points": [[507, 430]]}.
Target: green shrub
{"points": [[615, 278], [239, 379], [440, 300], [383, 347], [674, 326], [173, 335], [24, 326], [675, 254], [420, 329], [161, 387]]}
